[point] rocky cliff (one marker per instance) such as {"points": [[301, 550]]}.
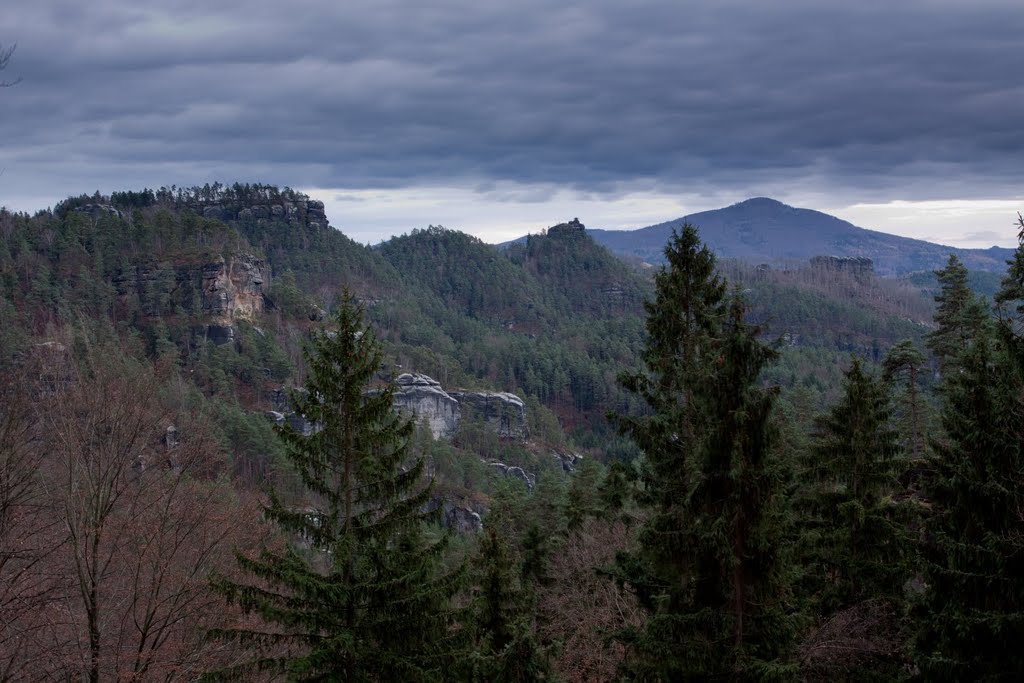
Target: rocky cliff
{"points": [[294, 208], [423, 397], [571, 230], [503, 412], [220, 289], [232, 288]]}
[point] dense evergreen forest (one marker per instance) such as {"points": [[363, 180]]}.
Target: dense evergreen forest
{"points": [[237, 445]]}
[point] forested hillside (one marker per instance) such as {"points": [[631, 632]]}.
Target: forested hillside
{"points": [[175, 359]]}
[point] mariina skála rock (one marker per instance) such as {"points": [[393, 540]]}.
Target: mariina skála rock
{"points": [[442, 411], [421, 397]]}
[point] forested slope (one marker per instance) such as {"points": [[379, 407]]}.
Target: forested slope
{"points": [[192, 310]]}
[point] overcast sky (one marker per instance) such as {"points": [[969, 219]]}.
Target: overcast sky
{"points": [[502, 117]]}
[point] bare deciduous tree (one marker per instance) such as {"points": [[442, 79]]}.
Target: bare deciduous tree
{"points": [[5, 57], [584, 609], [137, 518], [28, 532]]}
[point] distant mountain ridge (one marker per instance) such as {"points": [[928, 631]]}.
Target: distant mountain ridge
{"points": [[763, 230]]}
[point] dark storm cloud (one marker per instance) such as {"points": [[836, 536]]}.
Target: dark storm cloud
{"points": [[912, 99]]}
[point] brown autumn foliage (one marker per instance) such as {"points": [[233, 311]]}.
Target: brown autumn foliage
{"points": [[125, 521], [581, 609]]}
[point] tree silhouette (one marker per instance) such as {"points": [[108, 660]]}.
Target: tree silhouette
{"points": [[5, 57]]}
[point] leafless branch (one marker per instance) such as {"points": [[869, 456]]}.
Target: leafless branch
{"points": [[5, 57]]}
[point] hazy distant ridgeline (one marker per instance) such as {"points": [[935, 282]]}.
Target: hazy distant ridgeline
{"points": [[764, 230]]}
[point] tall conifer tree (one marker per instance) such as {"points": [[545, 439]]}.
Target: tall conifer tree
{"points": [[903, 364], [972, 611], [507, 650], [357, 595], [711, 567], [856, 542], [973, 608], [956, 315]]}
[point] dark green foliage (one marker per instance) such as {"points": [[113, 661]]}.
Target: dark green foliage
{"points": [[957, 315], [584, 500], [506, 649], [616, 489], [286, 297], [357, 594], [857, 542], [712, 567], [902, 365], [468, 276], [972, 610], [1011, 290]]}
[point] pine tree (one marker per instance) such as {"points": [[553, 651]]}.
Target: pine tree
{"points": [[711, 568], [972, 610], [856, 541], [357, 595]]}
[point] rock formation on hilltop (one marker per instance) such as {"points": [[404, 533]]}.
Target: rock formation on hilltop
{"points": [[570, 230], [290, 208]]}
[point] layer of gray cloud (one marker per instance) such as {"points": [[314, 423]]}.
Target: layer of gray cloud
{"points": [[913, 100]]}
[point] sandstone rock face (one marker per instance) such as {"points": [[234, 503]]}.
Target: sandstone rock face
{"points": [[568, 461], [97, 211], [233, 288], [454, 516], [294, 208], [420, 396], [222, 290], [423, 397], [571, 230], [461, 519], [503, 412], [217, 334]]}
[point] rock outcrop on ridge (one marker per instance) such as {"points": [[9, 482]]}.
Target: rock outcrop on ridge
{"points": [[503, 412], [419, 395]]}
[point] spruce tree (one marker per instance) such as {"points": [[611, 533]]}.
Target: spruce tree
{"points": [[856, 543], [357, 594], [583, 499], [711, 567], [954, 315], [972, 610], [506, 647], [1011, 290], [903, 364]]}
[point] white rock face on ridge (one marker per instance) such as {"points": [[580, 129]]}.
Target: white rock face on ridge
{"points": [[419, 395], [503, 412]]}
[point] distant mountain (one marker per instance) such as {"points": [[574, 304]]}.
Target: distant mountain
{"points": [[765, 230]]}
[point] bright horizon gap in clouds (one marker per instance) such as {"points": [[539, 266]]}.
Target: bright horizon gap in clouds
{"points": [[502, 214], [510, 210], [502, 118]]}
